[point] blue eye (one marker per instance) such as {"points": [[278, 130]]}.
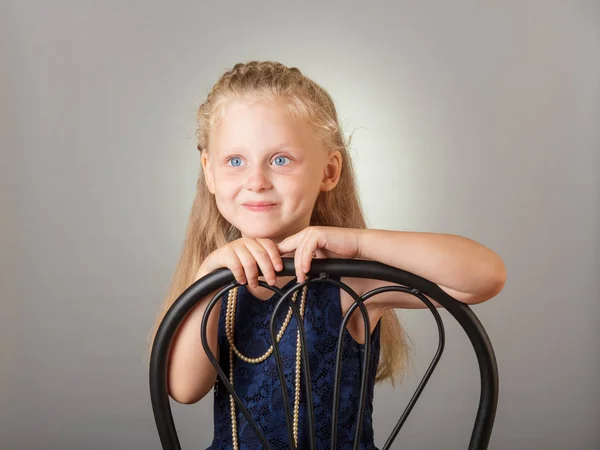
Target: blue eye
{"points": [[231, 159], [281, 157]]}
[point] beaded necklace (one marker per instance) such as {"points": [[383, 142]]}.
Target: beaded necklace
{"points": [[229, 328]]}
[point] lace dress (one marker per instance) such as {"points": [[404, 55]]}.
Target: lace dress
{"points": [[259, 387]]}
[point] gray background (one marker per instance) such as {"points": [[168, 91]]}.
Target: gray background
{"points": [[475, 118]]}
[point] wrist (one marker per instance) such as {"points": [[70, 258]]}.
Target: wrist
{"points": [[361, 244]]}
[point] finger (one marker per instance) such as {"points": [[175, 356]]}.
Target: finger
{"points": [[290, 243], [303, 254], [311, 249], [307, 257], [263, 259], [298, 263], [249, 264], [273, 252], [233, 263]]}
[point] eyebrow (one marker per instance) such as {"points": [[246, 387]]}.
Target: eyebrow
{"points": [[276, 148]]}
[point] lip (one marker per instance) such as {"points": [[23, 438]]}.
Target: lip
{"points": [[259, 206]]}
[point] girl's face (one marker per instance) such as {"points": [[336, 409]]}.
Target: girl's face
{"points": [[260, 155]]}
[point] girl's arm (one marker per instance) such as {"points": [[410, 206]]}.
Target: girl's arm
{"points": [[465, 269], [190, 373]]}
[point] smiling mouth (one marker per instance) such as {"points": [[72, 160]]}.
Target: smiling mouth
{"points": [[260, 206]]}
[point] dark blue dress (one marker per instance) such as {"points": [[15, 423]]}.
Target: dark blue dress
{"points": [[258, 384]]}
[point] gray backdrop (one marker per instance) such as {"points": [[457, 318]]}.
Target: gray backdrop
{"points": [[474, 118]]}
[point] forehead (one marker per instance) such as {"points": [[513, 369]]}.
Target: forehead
{"points": [[247, 124]]}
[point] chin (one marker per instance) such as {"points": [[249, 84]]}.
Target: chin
{"points": [[258, 233], [262, 232]]}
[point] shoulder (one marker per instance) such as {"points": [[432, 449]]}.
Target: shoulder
{"points": [[359, 286], [356, 322]]}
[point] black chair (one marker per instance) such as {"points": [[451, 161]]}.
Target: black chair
{"points": [[321, 270]]}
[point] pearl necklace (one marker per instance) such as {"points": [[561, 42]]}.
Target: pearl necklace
{"points": [[229, 329]]}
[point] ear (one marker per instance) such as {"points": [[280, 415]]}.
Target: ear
{"points": [[332, 171], [207, 169]]}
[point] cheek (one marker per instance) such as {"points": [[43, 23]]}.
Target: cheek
{"points": [[225, 194], [303, 189], [225, 202], [225, 185]]}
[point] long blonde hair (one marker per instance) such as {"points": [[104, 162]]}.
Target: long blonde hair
{"points": [[208, 230]]}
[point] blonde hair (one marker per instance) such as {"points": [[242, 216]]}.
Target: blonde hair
{"points": [[208, 230]]}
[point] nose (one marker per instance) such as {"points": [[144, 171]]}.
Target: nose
{"points": [[257, 180]]}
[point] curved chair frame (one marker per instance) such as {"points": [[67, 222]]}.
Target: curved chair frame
{"points": [[321, 271]]}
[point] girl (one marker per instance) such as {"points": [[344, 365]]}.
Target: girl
{"points": [[277, 181]]}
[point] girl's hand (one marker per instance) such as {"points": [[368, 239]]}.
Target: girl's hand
{"points": [[328, 242], [242, 256]]}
